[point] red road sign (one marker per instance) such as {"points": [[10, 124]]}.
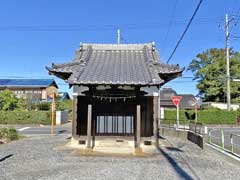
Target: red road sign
{"points": [[176, 100]]}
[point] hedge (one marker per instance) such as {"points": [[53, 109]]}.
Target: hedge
{"points": [[211, 116], [25, 117]]}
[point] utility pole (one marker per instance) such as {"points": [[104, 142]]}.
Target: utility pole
{"points": [[228, 69], [53, 111], [118, 36]]}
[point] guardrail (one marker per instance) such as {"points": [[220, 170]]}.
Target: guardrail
{"points": [[235, 143], [172, 123], [197, 128], [229, 143], [216, 137]]}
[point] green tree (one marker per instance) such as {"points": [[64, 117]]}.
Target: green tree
{"points": [[8, 101], [209, 69]]}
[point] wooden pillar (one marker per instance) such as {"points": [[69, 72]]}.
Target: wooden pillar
{"points": [[155, 119], [89, 126], [138, 126], [74, 118]]}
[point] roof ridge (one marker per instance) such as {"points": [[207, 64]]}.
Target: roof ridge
{"points": [[120, 47], [83, 59], [150, 63]]}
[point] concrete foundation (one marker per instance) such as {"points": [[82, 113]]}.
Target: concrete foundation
{"points": [[184, 135], [115, 146]]}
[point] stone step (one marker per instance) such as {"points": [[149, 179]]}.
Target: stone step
{"points": [[114, 150], [112, 143]]}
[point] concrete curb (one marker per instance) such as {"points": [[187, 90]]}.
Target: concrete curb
{"points": [[227, 154]]}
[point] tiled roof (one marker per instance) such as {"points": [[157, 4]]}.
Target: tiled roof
{"points": [[120, 64], [27, 82], [166, 93], [186, 102]]}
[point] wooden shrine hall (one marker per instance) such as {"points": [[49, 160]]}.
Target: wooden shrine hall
{"points": [[115, 91]]}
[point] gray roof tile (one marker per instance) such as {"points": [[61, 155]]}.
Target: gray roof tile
{"points": [[133, 64]]}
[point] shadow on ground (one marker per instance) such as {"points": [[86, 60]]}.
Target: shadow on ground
{"points": [[6, 157], [180, 171], [174, 149]]}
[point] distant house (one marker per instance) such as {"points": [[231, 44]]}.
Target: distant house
{"points": [[187, 101], [64, 96], [37, 89]]}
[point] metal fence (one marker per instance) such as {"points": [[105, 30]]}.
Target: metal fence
{"points": [[216, 137], [172, 123], [229, 142], [235, 143], [197, 128], [187, 125]]}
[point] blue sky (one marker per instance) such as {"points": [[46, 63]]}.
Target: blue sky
{"points": [[33, 34]]}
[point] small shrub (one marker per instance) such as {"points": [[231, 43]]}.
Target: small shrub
{"points": [[60, 106], [44, 106], [8, 134], [12, 134], [64, 105], [8, 100], [3, 132]]}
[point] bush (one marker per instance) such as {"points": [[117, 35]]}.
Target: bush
{"points": [[44, 106], [211, 116], [25, 117], [3, 132], [8, 100], [8, 134], [64, 105]]}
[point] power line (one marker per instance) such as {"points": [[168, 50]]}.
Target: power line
{"points": [[134, 26], [184, 32], [169, 25], [237, 20]]}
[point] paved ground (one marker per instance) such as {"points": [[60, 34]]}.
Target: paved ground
{"points": [[41, 157], [28, 130]]}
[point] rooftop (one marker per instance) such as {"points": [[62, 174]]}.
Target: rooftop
{"points": [[119, 64], [187, 101], [27, 82]]}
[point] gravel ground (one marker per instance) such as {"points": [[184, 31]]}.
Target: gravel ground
{"points": [[39, 157]]}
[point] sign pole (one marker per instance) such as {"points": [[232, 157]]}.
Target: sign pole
{"points": [[176, 101], [196, 115], [177, 116]]}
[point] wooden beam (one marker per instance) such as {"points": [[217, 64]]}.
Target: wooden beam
{"points": [[155, 119], [74, 118], [138, 126], [89, 126]]}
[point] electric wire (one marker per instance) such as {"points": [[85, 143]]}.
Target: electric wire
{"points": [[131, 26], [169, 25], [184, 32]]}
